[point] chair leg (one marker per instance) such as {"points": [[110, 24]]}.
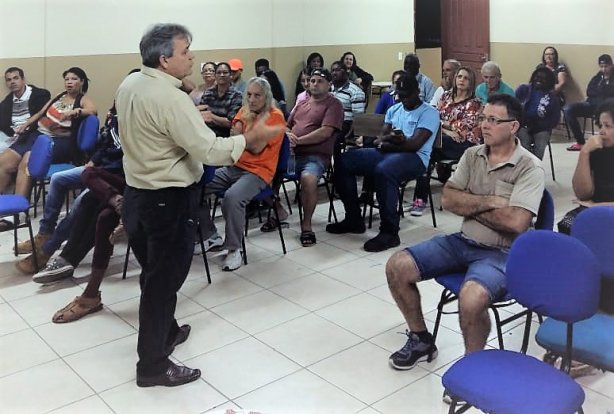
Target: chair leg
{"points": [[527, 331], [126, 261], [331, 198], [442, 302], [281, 234], [15, 218], [551, 161], [430, 196], [204, 253], [498, 327], [244, 251]]}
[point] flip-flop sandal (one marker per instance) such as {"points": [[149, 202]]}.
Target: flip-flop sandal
{"points": [[308, 238], [271, 225]]}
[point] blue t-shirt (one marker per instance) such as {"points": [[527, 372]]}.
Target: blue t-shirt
{"points": [[424, 116]]}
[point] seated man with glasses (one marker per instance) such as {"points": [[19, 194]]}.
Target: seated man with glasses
{"points": [[497, 189]]}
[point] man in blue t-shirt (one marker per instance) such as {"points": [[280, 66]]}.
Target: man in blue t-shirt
{"points": [[402, 153]]}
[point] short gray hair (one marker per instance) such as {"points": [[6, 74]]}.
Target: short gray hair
{"points": [[491, 66], [158, 41]]}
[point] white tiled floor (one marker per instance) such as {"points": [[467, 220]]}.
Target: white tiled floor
{"points": [[308, 332]]}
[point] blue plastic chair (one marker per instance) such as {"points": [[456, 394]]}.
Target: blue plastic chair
{"points": [[267, 195], [87, 137], [452, 284], [13, 205], [562, 284], [593, 341]]}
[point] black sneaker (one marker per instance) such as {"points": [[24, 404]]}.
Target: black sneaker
{"points": [[413, 351], [346, 226], [381, 242]]}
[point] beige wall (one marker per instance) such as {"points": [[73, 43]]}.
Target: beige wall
{"points": [[106, 71]]}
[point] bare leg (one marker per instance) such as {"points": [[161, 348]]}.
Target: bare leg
{"points": [[473, 304], [402, 274], [23, 182], [93, 286], [309, 198], [9, 161]]}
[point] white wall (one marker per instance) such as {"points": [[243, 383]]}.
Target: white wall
{"points": [[575, 22], [98, 27]]}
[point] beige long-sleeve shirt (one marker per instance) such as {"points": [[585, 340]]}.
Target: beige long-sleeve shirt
{"points": [[163, 136]]}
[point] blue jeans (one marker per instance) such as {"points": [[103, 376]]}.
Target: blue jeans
{"points": [[61, 183], [572, 112], [62, 231], [388, 171]]}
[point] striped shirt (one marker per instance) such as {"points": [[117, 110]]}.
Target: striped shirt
{"points": [[352, 98], [21, 113]]}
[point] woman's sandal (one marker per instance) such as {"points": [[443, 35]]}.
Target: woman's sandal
{"points": [[77, 309], [308, 238], [271, 225]]}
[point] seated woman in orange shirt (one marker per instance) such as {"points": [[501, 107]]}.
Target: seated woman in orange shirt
{"points": [[250, 175]]}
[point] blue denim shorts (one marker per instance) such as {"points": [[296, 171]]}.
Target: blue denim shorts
{"points": [[454, 253], [310, 164]]}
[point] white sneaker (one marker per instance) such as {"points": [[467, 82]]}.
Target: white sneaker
{"points": [[233, 260], [213, 243]]}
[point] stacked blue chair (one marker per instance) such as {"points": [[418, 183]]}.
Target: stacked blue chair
{"points": [[13, 205], [593, 341], [562, 284], [452, 284]]}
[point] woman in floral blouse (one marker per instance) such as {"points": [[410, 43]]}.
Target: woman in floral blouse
{"points": [[459, 110]]}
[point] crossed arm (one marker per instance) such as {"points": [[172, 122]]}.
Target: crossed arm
{"points": [[490, 210]]}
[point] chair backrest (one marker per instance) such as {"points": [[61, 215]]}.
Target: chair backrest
{"points": [[208, 175], [368, 125], [595, 228], [40, 157], [553, 275], [88, 133], [545, 214], [284, 154]]}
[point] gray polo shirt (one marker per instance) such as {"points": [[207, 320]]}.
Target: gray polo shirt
{"points": [[520, 179]]}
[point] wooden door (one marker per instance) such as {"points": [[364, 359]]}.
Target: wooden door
{"points": [[465, 29]]}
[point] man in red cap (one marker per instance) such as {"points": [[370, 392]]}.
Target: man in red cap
{"points": [[236, 69]]}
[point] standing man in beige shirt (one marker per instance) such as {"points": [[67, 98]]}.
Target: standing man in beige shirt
{"points": [[165, 143]]}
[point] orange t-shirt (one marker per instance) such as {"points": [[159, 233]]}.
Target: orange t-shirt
{"points": [[265, 163]]}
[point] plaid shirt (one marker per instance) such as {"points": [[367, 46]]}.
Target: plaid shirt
{"points": [[227, 106]]}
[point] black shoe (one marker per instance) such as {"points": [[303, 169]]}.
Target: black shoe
{"points": [[181, 336], [346, 226], [381, 242], [175, 375], [413, 351]]}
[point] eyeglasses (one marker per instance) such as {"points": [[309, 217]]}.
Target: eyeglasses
{"points": [[493, 121]]}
